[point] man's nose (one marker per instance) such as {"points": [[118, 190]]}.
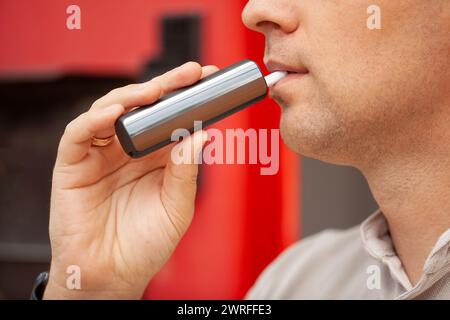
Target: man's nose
{"points": [[266, 15]]}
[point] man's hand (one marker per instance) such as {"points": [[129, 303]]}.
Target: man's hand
{"points": [[119, 219]]}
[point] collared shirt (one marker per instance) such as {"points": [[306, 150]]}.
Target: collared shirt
{"points": [[359, 263]]}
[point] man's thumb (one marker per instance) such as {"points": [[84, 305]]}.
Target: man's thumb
{"points": [[180, 176]]}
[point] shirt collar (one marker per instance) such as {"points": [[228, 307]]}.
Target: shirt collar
{"points": [[377, 242]]}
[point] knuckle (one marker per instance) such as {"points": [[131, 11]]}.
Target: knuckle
{"points": [[96, 103], [60, 147], [69, 127], [187, 178], [141, 95], [115, 91], [195, 64], [179, 218], [131, 86], [154, 85], [156, 79], [72, 125]]}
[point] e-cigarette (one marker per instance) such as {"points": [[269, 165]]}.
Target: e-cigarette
{"points": [[211, 99]]}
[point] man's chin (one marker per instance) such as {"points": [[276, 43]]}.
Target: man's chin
{"points": [[290, 135], [307, 139]]}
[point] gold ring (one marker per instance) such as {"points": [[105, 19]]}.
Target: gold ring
{"points": [[101, 142]]}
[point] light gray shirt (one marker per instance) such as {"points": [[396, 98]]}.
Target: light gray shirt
{"points": [[359, 263]]}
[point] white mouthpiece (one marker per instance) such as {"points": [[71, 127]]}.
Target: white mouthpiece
{"points": [[274, 77]]}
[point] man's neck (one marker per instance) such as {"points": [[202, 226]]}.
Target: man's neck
{"points": [[413, 192]]}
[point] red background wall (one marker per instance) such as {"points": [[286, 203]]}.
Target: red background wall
{"points": [[243, 220]]}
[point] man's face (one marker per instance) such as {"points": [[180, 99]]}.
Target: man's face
{"points": [[357, 92]]}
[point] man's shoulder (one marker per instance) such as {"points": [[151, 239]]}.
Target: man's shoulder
{"points": [[314, 267]]}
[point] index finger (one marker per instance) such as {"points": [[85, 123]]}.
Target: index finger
{"points": [[139, 94], [98, 121]]}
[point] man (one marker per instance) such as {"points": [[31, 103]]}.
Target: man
{"points": [[378, 100]]}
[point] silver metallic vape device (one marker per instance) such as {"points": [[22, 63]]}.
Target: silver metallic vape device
{"points": [[211, 99]]}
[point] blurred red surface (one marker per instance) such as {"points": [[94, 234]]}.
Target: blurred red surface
{"points": [[243, 219]]}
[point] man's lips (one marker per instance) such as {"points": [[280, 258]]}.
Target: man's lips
{"points": [[273, 65], [294, 73]]}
